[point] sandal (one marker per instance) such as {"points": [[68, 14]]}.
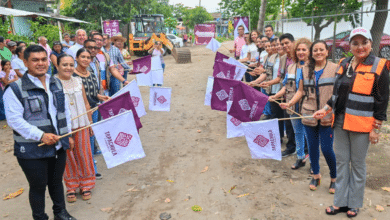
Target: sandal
{"points": [[71, 196], [332, 187], [334, 211], [353, 210], [298, 164], [86, 195], [315, 183]]}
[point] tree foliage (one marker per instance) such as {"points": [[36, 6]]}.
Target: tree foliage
{"points": [[251, 9], [197, 15], [170, 22], [308, 8]]}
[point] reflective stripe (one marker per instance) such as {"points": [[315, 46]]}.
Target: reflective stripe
{"points": [[333, 98], [308, 82], [64, 130], [359, 112], [375, 64], [326, 81], [21, 139], [359, 98], [61, 115], [291, 76], [40, 123]]}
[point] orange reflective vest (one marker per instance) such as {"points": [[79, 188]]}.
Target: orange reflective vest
{"points": [[359, 108]]}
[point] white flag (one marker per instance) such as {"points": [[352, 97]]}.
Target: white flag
{"points": [[144, 79], [118, 139], [209, 89], [158, 76], [135, 97], [160, 99], [263, 139], [213, 45], [240, 68], [233, 125], [156, 63]]}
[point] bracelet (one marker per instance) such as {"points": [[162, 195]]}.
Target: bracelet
{"points": [[326, 108], [124, 81], [377, 131]]}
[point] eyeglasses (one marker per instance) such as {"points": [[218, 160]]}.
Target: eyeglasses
{"points": [[91, 48], [105, 38], [98, 39]]}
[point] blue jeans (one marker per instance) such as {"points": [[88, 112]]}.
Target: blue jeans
{"points": [[2, 111], [163, 66], [95, 118], [299, 136], [267, 108], [323, 135]]}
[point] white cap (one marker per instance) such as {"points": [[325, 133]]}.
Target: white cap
{"points": [[360, 31]]}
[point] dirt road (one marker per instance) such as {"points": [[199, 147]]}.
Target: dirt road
{"points": [[179, 145]]}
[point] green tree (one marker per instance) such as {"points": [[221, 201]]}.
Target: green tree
{"points": [[307, 8], [170, 23], [251, 9], [43, 28], [197, 15]]}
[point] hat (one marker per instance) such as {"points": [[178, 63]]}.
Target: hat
{"points": [[11, 43], [118, 37], [360, 31]]}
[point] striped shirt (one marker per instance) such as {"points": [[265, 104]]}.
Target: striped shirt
{"points": [[116, 57]]}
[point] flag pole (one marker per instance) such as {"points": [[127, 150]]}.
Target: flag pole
{"points": [[68, 134], [293, 118], [91, 110], [289, 109]]}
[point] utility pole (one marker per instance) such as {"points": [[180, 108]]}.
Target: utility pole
{"points": [[260, 25]]}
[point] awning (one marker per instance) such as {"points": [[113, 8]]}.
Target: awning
{"points": [[21, 13]]}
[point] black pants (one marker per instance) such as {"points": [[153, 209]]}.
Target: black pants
{"points": [[41, 173], [277, 112], [290, 146]]}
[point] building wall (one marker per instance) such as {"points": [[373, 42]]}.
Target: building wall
{"points": [[22, 25]]}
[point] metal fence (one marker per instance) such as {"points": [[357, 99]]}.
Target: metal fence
{"points": [[337, 33]]}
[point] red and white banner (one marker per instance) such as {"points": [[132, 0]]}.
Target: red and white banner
{"points": [[118, 139], [263, 139], [204, 33]]}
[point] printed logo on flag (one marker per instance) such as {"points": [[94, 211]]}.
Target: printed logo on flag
{"points": [[235, 121], [135, 100], [253, 110], [220, 75], [244, 105], [123, 139], [121, 110], [161, 99], [109, 143], [231, 94], [111, 112], [142, 70], [222, 95], [261, 140]]}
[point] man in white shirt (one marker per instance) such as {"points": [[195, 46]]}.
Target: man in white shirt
{"points": [[37, 111], [81, 36]]}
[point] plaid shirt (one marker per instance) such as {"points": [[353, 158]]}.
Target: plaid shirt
{"points": [[116, 56]]}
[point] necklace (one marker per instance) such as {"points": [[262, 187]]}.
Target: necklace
{"points": [[349, 68], [82, 73]]}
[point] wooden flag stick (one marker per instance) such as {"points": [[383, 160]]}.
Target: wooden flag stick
{"points": [[292, 118], [68, 134], [289, 109], [91, 110]]}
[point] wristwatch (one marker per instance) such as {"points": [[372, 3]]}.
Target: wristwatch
{"points": [[124, 81]]}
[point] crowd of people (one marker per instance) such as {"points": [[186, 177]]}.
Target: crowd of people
{"points": [[339, 107], [50, 91], [47, 92]]}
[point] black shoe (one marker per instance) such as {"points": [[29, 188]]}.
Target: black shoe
{"points": [[64, 215], [287, 153], [99, 176], [298, 164]]}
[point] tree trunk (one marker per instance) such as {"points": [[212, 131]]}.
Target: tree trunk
{"points": [[378, 24], [260, 24]]}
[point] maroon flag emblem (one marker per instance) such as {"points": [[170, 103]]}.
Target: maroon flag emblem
{"points": [[235, 121], [222, 95], [261, 140], [135, 100], [123, 139], [161, 99]]}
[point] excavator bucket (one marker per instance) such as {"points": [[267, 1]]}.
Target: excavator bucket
{"points": [[182, 55]]}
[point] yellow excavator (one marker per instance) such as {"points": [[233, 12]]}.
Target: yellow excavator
{"points": [[147, 30]]}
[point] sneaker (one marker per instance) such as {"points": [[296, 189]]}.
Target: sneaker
{"points": [[287, 153], [98, 152], [99, 176]]}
